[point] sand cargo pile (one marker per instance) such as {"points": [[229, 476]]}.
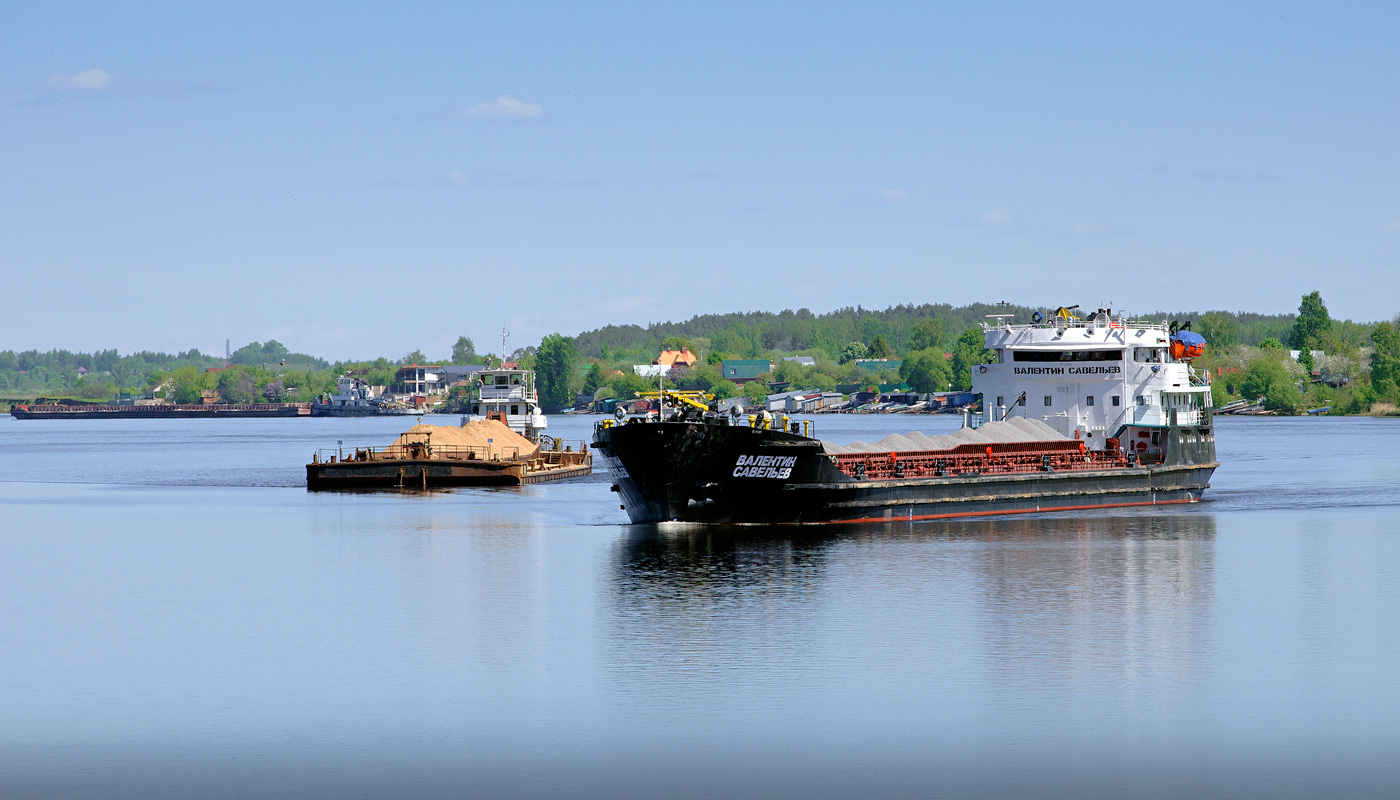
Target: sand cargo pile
{"points": [[486, 439]]}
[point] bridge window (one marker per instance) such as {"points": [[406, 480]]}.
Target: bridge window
{"points": [[1142, 401], [1068, 355], [515, 409], [1047, 399]]}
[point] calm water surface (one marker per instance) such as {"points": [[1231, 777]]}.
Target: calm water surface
{"points": [[180, 618]]}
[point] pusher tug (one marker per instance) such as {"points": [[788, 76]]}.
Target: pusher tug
{"points": [[1076, 414]]}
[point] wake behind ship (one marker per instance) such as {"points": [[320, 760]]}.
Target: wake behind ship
{"points": [[1076, 414]]}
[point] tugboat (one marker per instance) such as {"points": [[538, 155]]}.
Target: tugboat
{"points": [[352, 398], [1075, 414], [509, 395]]}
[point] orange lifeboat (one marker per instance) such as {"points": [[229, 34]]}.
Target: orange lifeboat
{"points": [[1186, 345]]}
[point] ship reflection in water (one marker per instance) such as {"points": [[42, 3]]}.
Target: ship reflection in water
{"points": [[919, 617]]}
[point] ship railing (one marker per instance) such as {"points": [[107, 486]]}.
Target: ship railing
{"points": [[1008, 458], [1187, 416], [419, 451], [768, 422], [502, 393], [1161, 417], [554, 444], [765, 422]]}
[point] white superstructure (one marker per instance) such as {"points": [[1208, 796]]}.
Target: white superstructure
{"points": [[509, 395], [353, 398], [352, 392], [1092, 379]]}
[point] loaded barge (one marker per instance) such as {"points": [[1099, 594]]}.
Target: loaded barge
{"points": [[502, 444], [1075, 414], [416, 462]]}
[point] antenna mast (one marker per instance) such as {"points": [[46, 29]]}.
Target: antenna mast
{"points": [[504, 334]]}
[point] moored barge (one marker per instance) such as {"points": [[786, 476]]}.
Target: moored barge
{"points": [[1075, 414], [160, 411]]}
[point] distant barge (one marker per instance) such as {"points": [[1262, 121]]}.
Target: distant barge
{"points": [[162, 411]]}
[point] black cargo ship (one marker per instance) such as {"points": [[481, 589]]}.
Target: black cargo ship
{"points": [[711, 471], [1134, 428]]}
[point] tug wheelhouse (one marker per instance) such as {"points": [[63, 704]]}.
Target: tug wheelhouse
{"points": [[509, 395]]}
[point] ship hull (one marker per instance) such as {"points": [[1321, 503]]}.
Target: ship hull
{"points": [[324, 410], [696, 472]]}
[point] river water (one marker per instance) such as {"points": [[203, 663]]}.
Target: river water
{"points": [[179, 617]]}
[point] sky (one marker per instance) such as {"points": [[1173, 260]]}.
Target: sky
{"points": [[358, 181]]}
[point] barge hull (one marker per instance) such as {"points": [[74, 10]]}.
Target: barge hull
{"points": [[424, 474], [154, 412]]}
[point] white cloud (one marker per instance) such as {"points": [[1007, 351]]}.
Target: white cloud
{"points": [[98, 82], [894, 196], [503, 107], [91, 80], [997, 216]]}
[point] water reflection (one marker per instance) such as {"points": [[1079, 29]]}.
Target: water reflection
{"points": [[1018, 604], [1097, 601]]}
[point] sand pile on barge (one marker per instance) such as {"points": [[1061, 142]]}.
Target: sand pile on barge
{"points": [[488, 436], [1015, 429]]}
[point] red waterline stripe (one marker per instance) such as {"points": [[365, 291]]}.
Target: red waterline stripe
{"points": [[922, 517]]}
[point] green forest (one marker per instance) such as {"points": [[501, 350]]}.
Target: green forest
{"points": [[1345, 365], [1349, 366]]}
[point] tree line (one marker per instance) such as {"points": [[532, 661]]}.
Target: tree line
{"points": [[1347, 365], [1357, 364]]}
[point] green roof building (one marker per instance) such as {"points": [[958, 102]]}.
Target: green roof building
{"points": [[743, 370]]}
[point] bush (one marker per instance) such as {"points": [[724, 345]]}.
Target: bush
{"points": [[1270, 380], [926, 370]]}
